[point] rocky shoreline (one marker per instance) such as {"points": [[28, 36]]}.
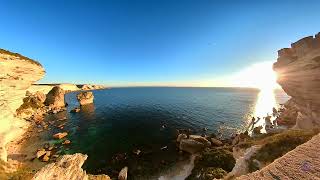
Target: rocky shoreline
{"points": [[214, 157]]}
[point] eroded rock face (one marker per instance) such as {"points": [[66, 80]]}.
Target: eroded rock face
{"points": [[85, 98], [17, 73], [298, 71], [68, 167], [55, 97]]}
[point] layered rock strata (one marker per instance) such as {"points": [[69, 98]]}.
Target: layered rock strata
{"points": [[298, 71], [17, 73]]}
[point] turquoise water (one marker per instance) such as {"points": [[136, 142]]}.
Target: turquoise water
{"points": [[125, 119]]}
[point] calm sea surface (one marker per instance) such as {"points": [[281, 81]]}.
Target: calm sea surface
{"points": [[125, 119]]}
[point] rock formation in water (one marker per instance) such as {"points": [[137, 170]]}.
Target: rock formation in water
{"points": [[17, 73], [298, 71], [85, 98], [55, 97]]}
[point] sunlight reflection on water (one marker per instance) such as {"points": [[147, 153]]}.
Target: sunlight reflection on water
{"points": [[265, 102]]}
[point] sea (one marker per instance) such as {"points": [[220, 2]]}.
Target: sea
{"points": [[137, 126]]}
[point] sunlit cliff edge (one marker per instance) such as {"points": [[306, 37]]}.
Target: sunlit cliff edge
{"points": [[298, 69], [17, 73]]}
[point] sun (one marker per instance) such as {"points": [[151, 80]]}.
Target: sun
{"points": [[258, 75]]}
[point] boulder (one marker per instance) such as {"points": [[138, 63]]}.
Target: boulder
{"points": [[193, 144], [123, 174], [85, 98], [201, 139], [60, 135], [55, 97], [40, 153]]}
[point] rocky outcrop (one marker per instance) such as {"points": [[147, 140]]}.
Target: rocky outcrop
{"points": [[67, 167], [85, 98], [17, 73], [55, 97], [298, 71], [193, 143]]}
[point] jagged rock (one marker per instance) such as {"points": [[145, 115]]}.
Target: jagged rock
{"points": [[40, 153], [60, 135], [31, 105], [298, 71], [45, 158], [55, 97], [17, 74], [85, 98], [67, 167], [242, 163], [123, 174], [288, 115]]}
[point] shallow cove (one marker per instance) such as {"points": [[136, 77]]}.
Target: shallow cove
{"points": [[122, 120]]}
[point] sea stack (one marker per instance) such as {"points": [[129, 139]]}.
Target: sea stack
{"points": [[298, 71], [85, 98], [55, 97]]}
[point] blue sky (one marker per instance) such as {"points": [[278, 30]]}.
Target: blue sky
{"points": [[152, 42]]}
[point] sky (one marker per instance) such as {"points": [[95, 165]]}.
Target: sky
{"points": [[153, 42]]}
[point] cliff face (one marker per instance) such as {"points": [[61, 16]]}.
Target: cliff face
{"points": [[17, 73], [298, 71]]}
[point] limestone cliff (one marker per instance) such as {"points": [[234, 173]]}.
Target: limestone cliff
{"points": [[298, 71], [67, 167], [17, 73]]}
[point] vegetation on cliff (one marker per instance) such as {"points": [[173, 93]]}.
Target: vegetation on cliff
{"points": [[212, 163]]}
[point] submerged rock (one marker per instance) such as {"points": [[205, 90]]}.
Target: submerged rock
{"points": [[60, 135], [85, 98]]}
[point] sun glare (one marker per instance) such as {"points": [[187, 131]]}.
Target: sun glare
{"points": [[259, 76]]}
